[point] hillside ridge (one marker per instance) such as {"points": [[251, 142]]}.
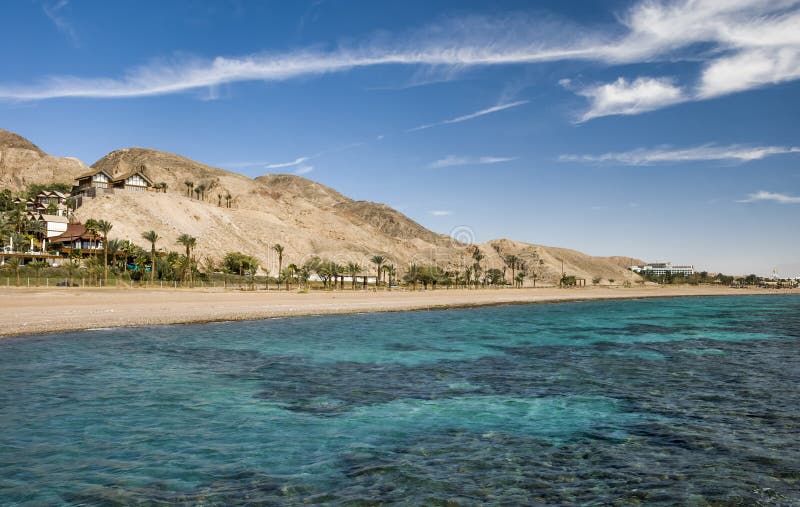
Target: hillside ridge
{"points": [[227, 211]]}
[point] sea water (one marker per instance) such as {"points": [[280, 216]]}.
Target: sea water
{"points": [[663, 401]]}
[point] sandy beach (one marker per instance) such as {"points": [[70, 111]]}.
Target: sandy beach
{"points": [[33, 311]]}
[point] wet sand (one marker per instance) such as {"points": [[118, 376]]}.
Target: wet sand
{"points": [[33, 311]]}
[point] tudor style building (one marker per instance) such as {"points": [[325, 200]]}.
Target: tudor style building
{"points": [[134, 180], [99, 182], [87, 184]]}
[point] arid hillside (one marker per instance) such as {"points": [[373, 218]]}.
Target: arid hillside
{"points": [[22, 163], [227, 212]]}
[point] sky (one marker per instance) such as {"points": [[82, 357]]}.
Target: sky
{"points": [[661, 130]]}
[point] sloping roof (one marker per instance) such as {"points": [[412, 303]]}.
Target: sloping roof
{"points": [[53, 218], [92, 173], [51, 193], [73, 232], [127, 175]]}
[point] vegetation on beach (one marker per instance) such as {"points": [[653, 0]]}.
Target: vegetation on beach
{"points": [[120, 262]]}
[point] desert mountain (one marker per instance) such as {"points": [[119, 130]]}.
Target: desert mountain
{"points": [[23, 163], [307, 218]]}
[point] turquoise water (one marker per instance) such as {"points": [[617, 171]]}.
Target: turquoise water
{"points": [[674, 401]]}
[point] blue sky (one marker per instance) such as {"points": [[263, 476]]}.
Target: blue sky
{"points": [[661, 130]]}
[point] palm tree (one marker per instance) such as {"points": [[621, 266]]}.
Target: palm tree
{"points": [[189, 187], [209, 186], [378, 261], [519, 279], [91, 228], [288, 274], [152, 237], [125, 248], [71, 266], [279, 250], [37, 267], [477, 256], [336, 273], [228, 198], [391, 272], [16, 217], [14, 265], [512, 261], [189, 242], [304, 272], [36, 228], [219, 200], [412, 276], [105, 227], [353, 269], [115, 246], [163, 186]]}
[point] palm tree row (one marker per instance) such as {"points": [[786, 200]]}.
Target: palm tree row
{"points": [[200, 191]]}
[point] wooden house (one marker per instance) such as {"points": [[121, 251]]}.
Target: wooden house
{"points": [[88, 183], [77, 238], [134, 180]]}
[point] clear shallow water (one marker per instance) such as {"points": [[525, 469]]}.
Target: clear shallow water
{"points": [[675, 401]]}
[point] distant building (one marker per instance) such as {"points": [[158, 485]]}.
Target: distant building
{"points": [[134, 180], [98, 182], [47, 202], [48, 197], [54, 225], [77, 238], [89, 183], [663, 268]]}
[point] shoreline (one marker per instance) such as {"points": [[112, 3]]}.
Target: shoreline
{"points": [[39, 311]]}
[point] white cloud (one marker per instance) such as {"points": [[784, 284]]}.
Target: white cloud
{"points": [[763, 195], [750, 44], [304, 169], [440, 213], [750, 69], [53, 11], [294, 162], [452, 161], [476, 114], [624, 97], [644, 156], [744, 43]]}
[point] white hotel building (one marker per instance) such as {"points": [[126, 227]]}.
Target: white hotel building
{"points": [[663, 268]]}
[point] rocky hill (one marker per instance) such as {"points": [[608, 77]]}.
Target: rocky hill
{"points": [[22, 163], [307, 218]]}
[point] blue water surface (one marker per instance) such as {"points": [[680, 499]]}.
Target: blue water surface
{"points": [[654, 402]]}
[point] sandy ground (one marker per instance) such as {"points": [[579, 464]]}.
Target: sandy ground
{"points": [[30, 311]]}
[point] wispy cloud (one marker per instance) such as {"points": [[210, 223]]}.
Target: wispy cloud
{"points": [[299, 161], [452, 161], [751, 44], [630, 97], [743, 44], [293, 163], [470, 116], [763, 195], [53, 10], [440, 212], [666, 155]]}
